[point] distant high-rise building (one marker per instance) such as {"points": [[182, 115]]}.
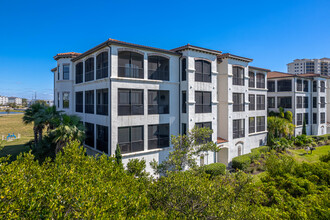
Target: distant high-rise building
{"points": [[317, 66]]}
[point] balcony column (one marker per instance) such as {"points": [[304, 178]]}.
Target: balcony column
{"points": [[145, 66], [94, 66]]}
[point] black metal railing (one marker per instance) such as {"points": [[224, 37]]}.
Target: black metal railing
{"points": [[130, 72]]}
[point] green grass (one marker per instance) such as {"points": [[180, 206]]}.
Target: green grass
{"points": [[300, 155], [13, 124]]}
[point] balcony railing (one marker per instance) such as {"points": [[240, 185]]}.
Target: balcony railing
{"points": [[89, 76], [238, 81], [131, 72], [261, 85], [158, 74], [238, 107], [102, 73]]}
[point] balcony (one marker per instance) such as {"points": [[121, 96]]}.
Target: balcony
{"points": [[131, 72]]}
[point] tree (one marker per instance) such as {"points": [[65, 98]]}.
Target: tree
{"points": [[288, 116], [8, 111], [280, 127], [34, 114], [186, 149], [118, 155], [304, 128], [70, 128], [281, 110]]}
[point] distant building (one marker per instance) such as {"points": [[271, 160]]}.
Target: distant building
{"points": [[48, 102], [15, 100], [3, 100], [317, 66], [304, 95]]}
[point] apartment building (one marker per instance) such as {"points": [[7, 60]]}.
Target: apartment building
{"points": [[317, 66], [242, 114], [302, 94], [3, 100], [15, 100], [137, 96]]}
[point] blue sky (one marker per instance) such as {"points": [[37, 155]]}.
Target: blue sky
{"points": [[273, 33]]}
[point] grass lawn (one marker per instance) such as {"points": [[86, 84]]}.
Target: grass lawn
{"points": [[13, 124], [300, 155]]}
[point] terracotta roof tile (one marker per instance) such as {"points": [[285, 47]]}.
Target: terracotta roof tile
{"points": [[232, 56], [221, 140], [258, 68], [66, 55], [272, 75], [188, 46]]}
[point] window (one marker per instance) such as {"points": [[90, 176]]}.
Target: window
{"points": [[102, 65], [305, 102], [284, 102], [271, 102], [299, 85], [79, 73], [314, 86], [252, 100], [261, 102], [102, 138], [322, 117], [158, 102], [202, 71], [89, 69], [305, 86], [203, 102], [238, 128], [251, 80], [183, 69], [102, 98], [238, 99], [284, 86], [130, 64], [184, 129], [204, 125], [184, 100], [271, 86], [66, 71], [130, 139], [306, 118], [130, 102], [252, 125], [158, 68], [322, 86], [158, 136], [314, 102], [79, 102], [89, 137], [322, 102], [58, 100], [299, 102], [314, 118], [299, 119], [238, 76], [261, 123], [58, 72], [66, 101], [261, 80], [89, 102]]}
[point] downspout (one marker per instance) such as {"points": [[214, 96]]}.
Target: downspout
{"points": [[109, 98]]}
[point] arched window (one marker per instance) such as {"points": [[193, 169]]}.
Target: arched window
{"points": [[183, 69], [260, 80], [102, 65], [158, 68], [79, 73], [322, 86], [89, 69], [202, 71], [238, 76], [130, 64]]}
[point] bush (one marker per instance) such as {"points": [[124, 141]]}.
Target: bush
{"points": [[214, 169], [254, 155], [325, 158], [262, 149], [241, 162], [137, 167]]}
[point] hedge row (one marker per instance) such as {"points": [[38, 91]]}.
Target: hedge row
{"points": [[214, 169], [243, 162]]}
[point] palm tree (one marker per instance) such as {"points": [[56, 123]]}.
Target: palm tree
{"points": [[70, 129], [33, 115]]}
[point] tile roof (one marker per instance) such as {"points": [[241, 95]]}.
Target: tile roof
{"points": [[275, 74], [232, 56], [258, 68], [54, 69], [221, 140], [192, 47], [66, 55]]}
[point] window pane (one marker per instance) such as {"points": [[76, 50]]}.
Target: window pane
{"points": [[124, 135]]}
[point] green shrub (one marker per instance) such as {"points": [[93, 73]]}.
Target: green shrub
{"points": [[254, 155], [325, 158], [262, 149], [214, 169], [241, 162]]}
